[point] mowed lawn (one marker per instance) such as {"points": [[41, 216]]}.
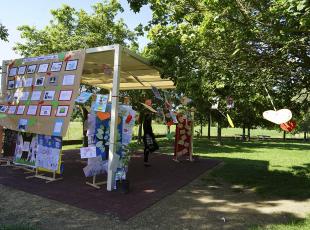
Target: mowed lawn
{"points": [[75, 131], [278, 170]]}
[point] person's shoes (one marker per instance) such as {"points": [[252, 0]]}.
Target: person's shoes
{"points": [[147, 165]]}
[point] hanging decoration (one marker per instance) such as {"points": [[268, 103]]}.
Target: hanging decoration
{"points": [[288, 126], [230, 121], [279, 116], [230, 102]]}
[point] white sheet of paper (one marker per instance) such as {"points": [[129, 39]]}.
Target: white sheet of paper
{"points": [[56, 66], [28, 82], [12, 109], [18, 83], [24, 96], [21, 70], [48, 95], [45, 110], [20, 109], [36, 95], [65, 95], [68, 80], [32, 110], [43, 68], [62, 111], [26, 146], [88, 152], [39, 81], [13, 72], [57, 127], [72, 65]]}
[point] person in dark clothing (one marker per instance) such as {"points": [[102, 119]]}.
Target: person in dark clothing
{"points": [[150, 144]]}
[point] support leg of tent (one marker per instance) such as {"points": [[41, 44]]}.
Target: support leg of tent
{"points": [[113, 160]]}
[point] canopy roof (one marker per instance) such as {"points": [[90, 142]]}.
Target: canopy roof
{"points": [[135, 71]]}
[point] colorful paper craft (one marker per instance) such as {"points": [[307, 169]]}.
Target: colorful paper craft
{"points": [[45, 110], [279, 116], [65, 95], [43, 68]]}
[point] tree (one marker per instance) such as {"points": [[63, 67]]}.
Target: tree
{"points": [[234, 48], [71, 29], [3, 33]]}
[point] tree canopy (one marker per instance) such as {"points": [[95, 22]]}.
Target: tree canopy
{"points": [[72, 29], [234, 48], [3, 33]]}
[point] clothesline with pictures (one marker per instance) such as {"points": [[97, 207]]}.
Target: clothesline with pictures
{"points": [[98, 132], [282, 117], [230, 105]]}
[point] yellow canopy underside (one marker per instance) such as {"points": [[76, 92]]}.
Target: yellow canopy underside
{"points": [[135, 72]]}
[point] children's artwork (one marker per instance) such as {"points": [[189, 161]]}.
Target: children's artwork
{"points": [[288, 126], [53, 80], [11, 84], [173, 116], [62, 111], [13, 72], [31, 69], [230, 102], [149, 108], [83, 97], [230, 121], [185, 100], [24, 96], [27, 82], [183, 135], [68, 80], [3, 108], [12, 109], [65, 95], [49, 153], [156, 93], [88, 152], [56, 66], [21, 70], [279, 116], [215, 104], [22, 124], [26, 149], [128, 116], [39, 81], [18, 82], [36, 96], [71, 65], [101, 103], [95, 166], [20, 110], [58, 127], [43, 68], [45, 110], [48, 95], [32, 110]]}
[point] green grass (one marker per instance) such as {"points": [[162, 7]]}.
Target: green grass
{"points": [[277, 170], [75, 131]]}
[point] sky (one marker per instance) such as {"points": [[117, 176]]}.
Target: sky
{"points": [[15, 13]]}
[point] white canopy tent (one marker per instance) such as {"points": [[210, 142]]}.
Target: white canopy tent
{"points": [[130, 71]]}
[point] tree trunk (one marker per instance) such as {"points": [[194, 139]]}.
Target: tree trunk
{"points": [[305, 136], [84, 120], [201, 126], [219, 133], [249, 133], [243, 132], [209, 126], [284, 135]]}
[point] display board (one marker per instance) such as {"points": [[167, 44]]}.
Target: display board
{"points": [[183, 135], [39, 93]]}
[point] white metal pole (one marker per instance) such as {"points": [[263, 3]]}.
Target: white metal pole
{"points": [[113, 159]]}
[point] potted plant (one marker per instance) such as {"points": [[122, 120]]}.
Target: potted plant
{"points": [[122, 184]]}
